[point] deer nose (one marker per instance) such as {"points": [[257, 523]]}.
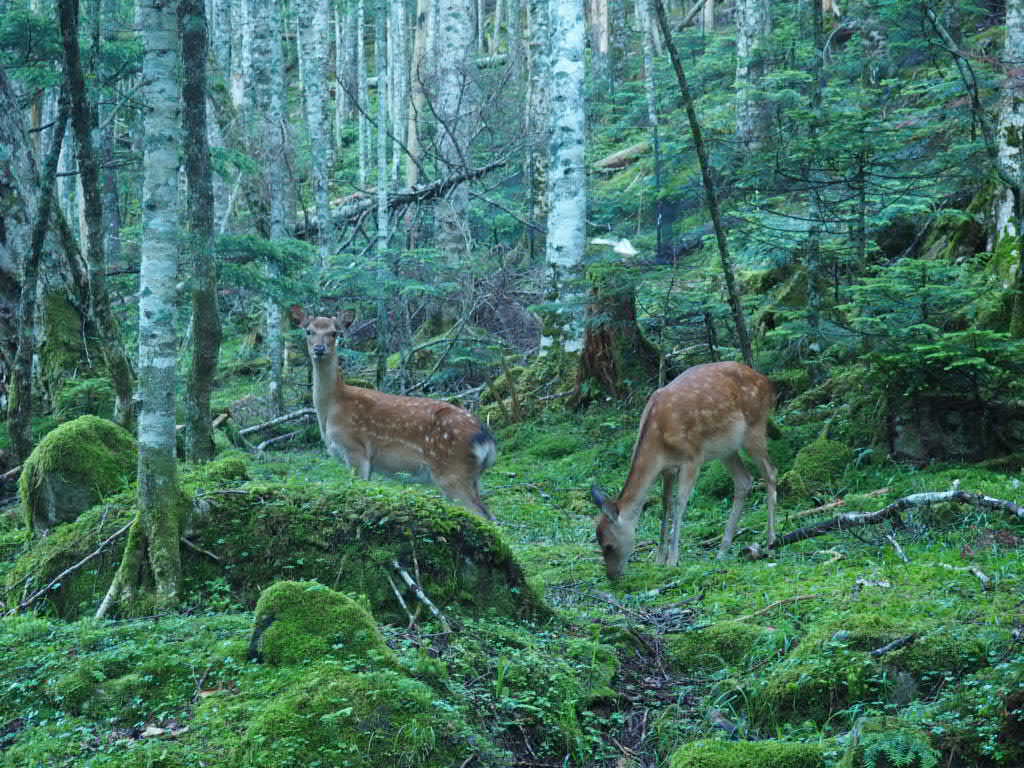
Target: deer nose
{"points": [[319, 349]]}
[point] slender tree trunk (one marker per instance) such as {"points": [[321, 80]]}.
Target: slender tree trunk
{"points": [[646, 24], [268, 101], [753, 118], [381, 55], [599, 40], [456, 109], [241, 49], [344, 66], [221, 36], [363, 94], [107, 137], [157, 528], [728, 270], [567, 188], [418, 80], [20, 425], [1010, 149], [538, 126], [205, 319], [398, 84], [117, 361], [313, 52], [708, 15]]}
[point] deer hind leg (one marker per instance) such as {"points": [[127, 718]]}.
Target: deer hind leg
{"points": [[685, 479], [741, 483], [757, 446], [669, 480]]}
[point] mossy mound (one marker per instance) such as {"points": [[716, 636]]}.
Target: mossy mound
{"points": [[818, 467], [723, 643], [360, 537], [299, 621], [74, 467], [710, 753], [834, 666]]}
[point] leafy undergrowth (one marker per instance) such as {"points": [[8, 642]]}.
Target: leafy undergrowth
{"points": [[842, 650]]}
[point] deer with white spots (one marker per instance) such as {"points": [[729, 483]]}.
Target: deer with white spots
{"points": [[708, 412], [374, 431]]}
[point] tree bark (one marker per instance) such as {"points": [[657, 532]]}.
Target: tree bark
{"points": [[20, 425], [117, 361], [206, 330], [362, 95], [567, 188], [728, 270], [537, 128], [643, 8], [380, 51], [1010, 148], [418, 80], [753, 118]]}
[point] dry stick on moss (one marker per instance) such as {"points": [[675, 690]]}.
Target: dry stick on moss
{"points": [[771, 607], [401, 601], [68, 571], [10, 474], [986, 582], [301, 413], [854, 520], [279, 439], [897, 547], [834, 504], [421, 595], [196, 548]]}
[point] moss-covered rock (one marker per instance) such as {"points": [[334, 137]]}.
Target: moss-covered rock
{"points": [[298, 621], [352, 535], [721, 644], [710, 753], [818, 467], [74, 467]]}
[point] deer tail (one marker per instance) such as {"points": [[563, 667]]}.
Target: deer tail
{"points": [[484, 448]]}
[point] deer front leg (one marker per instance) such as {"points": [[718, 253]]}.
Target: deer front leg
{"points": [[742, 483], [685, 480]]}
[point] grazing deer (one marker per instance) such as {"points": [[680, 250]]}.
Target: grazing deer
{"points": [[707, 412], [375, 431]]}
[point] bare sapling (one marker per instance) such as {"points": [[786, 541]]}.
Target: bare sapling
{"points": [[377, 432], [708, 412]]}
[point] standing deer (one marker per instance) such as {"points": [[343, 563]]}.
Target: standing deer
{"points": [[707, 412], [375, 431]]}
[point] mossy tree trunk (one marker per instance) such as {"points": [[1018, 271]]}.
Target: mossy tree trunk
{"points": [[114, 355], [152, 554], [20, 427], [616, 356], [205, 320]]}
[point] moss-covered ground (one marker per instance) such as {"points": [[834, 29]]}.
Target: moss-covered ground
{"points": [[840, 650]]}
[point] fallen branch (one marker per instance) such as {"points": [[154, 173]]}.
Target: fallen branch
{"points": [[196, 548], [68, 571], [279, 439], [299, 414], [10, 474], [895, 645], [854, 520], [421, 595], [986, 582], [836, 503]]}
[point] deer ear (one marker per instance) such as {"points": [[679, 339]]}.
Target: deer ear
{"points": [[600, 498], [299, 315], [344, 319]]}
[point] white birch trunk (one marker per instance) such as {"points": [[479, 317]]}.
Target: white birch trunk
{"points": [[538, 125], [753, 119], [363, 94], [158, 337], [313, 52], [398, 83], [268, 112], [381, 55], [221, 35], [241, 49], [418, 76], [567, 189], [344, 67], [456, 107], [1010, 131]]}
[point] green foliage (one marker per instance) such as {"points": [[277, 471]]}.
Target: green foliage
{"points": [[79, 397], [818, 467]]}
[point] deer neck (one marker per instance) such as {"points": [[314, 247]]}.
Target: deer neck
{"points": [[328, 384]]}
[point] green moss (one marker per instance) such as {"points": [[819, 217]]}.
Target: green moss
{"points": [[62, 351], [818, 467], [79, 397], [298, 621], [87, 458], [228, 467], [709, 753], [349, 535], [723, 643]]}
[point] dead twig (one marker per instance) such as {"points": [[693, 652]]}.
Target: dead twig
{"points": [[421, 595], [772, 606], [69, 570], [895, 645], [299, 414]]}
